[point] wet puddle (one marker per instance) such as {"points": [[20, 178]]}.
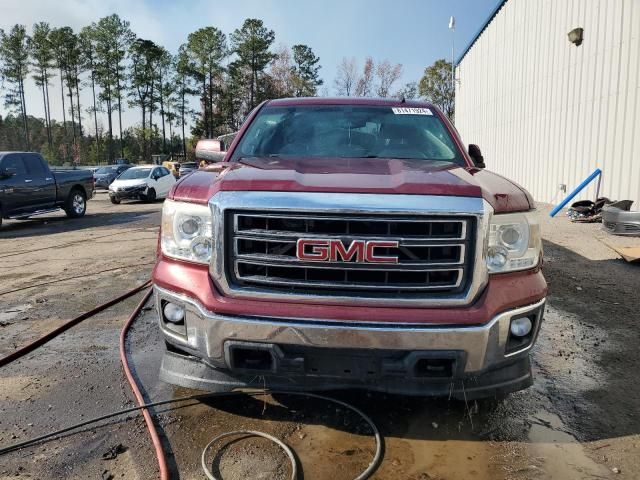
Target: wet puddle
{"points": [[555, 454]]}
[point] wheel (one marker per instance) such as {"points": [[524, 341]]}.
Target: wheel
{"points": [[76, 204], [115, 200], [150, 196]]}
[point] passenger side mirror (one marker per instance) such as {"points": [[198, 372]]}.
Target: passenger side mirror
{"points": [[476, 156], [7, 172]]}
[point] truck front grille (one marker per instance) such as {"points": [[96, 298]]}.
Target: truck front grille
{"points": [[434, 254]]}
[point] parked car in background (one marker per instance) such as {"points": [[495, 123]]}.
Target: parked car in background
{"points": [[146, 182], [105, 175], [173, 167], [121, 161], [187, 167], [28, 187]]}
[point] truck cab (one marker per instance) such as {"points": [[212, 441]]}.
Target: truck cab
{"points": [[28, 187], [350, 243]]}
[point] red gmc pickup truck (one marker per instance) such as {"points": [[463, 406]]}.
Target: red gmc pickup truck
{"points": [[349, 243]]}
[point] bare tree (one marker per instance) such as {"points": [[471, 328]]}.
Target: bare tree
{"points": [[409, 91], [364, 87], [281, 73], [387, 75], [346, 78]]}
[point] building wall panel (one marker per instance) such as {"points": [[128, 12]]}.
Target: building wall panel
{"points": [[546, 112]]}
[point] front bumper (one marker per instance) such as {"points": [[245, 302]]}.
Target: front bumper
{"points": [[136, 193], [462, 361]]}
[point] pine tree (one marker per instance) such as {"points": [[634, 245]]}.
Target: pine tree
{"points": [[88, 59], [145, 56], [206, 48], [251, 43], [113, 38], [306, 71], [42, 61], [166, 88], [14, 52], [184, 73]]}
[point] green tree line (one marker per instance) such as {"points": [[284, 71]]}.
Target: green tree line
{"points": [[227, 75]]}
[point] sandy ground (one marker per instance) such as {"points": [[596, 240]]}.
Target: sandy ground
{"points": [[581, 419]]}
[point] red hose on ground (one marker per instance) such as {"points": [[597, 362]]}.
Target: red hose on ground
{"points": [[155, 438], [66, 326]]}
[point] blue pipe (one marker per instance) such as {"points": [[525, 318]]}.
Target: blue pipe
{"points": [[569, 197]]}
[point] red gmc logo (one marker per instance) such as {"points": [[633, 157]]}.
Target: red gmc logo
{"points": [[333, 250]]}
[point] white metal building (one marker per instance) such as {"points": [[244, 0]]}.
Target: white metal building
{"points": [[546, 112]]}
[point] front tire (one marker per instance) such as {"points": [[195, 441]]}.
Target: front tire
{"points": [[150, 196], [115, 200], [76, 204]]}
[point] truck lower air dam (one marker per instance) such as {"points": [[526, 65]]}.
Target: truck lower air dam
{"points": [[251, 357]]}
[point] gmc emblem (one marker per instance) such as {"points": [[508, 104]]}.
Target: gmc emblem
{"points": [[333, 250]]}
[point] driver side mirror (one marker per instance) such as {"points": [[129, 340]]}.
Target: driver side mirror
{"points": [[476, 156], [210, 150], [7, 173]]}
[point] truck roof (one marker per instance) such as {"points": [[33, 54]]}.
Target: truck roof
{"points": [[382, 102]]}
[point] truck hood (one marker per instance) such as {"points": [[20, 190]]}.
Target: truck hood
{"points": [[356, 175]]}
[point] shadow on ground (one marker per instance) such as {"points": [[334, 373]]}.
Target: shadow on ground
{"points": [[47, 225]]}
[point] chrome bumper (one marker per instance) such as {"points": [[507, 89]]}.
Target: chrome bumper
{"points": [[207, 333]]}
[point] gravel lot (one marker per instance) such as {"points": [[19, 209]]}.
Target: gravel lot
{"points": [[580, 420]]}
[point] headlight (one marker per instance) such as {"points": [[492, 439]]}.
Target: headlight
{"points": [[514, 243], [186, 231]]}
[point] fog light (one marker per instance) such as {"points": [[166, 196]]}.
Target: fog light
{"points": [[520, 327], [173, 313]]}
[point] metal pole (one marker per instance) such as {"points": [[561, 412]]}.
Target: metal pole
{"points": [[577, 190], [452, 27]]}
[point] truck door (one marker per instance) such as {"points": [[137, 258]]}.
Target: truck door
{"points": [[43, 184], [14, 190]]}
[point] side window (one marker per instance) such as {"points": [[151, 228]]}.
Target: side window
{"points": [[34, 165], [165, 172], [156, 173], [14, 161]]}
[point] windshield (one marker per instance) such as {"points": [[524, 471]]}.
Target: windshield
{"points": [[134, 173], [348, 131], [102, 170]]}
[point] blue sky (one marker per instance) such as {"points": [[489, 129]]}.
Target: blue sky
{"points": [[411, 32]]}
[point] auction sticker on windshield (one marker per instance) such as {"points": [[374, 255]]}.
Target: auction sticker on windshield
{"points": [[411, 111]]}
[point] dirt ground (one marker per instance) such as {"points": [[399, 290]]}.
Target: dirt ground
{"points": [[580, 420]]}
